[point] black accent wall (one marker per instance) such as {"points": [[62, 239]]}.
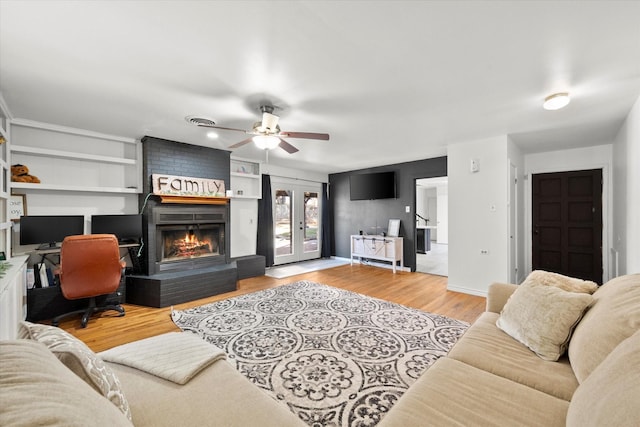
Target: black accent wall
{"points": [[372, 216], [163, 156]]}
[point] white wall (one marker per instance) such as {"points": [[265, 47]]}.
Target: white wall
{"points": [[244, 212], [598, 157], [477, 215], [626, 194]]}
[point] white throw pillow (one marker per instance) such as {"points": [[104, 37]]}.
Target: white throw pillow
{"points": [[566, 283], [543, 318]]}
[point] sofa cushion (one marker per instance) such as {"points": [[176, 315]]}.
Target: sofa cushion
{"points": [[219, 395], [543, 317], [566, 283], [36, 389], [613, 317], [611, 394], [79, 358], [486, 347], [452, 393]]}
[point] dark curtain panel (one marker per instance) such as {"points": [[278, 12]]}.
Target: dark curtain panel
{"points": [[326, 223], [264, 243]]}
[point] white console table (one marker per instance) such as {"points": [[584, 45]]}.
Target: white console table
{"points": [[377, 247]]}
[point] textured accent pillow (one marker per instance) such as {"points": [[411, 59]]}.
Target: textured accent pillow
{"points": [[36, 389], [79, 358], [566, 283], [543, 317]]}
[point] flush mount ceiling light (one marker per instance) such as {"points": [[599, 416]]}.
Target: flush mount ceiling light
{"points": [[266, 142], [556, 101]]}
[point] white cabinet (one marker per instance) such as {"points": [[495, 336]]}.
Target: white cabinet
{"points": [[13, 297], [246, 181], [379, 248], [69, 159]]}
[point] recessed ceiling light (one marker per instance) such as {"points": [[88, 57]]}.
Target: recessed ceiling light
{"points": [[556, 101], [212, 135]]}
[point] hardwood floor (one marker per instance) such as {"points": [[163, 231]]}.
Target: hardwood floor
{"points": [[418, 290]]}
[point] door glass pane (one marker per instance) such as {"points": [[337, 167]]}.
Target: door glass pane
{"points": [[284, 222], [310, 221]]}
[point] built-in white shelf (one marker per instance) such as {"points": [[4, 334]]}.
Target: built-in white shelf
{"points": [[71, 155], [76, 160], [55, 187], [245, 179]]}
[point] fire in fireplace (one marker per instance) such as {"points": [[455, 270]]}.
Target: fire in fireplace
{"points": [[189, 241]]}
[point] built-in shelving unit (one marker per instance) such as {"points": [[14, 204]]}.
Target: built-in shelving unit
{"points": [[69, 159], [246, 179], [5, 179]]}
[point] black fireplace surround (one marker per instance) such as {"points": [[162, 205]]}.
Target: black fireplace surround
{"points": [[185, 237]]}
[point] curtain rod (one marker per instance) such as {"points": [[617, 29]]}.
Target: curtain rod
{"points": [[296, 179]]}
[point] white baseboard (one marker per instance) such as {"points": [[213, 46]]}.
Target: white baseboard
{"points": [[468, 291]]}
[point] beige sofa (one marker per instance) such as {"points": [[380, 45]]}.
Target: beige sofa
{"points": [[39, 389], [488, 379]]}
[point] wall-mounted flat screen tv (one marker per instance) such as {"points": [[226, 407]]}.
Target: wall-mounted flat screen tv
{"points": [[370, 186], [127, 228], [49, 230]]}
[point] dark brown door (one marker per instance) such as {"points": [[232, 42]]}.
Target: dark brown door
{"points": [[567, 223]]}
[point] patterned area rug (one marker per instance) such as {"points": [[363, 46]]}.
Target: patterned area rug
{"points": [[334, 357]]}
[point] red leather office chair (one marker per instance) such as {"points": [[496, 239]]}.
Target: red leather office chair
{"points": [[90, 267]]}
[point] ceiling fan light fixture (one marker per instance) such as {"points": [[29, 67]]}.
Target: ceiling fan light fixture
{"points": [[266, 142], [556, 101]]}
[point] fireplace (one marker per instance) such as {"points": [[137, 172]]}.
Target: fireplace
{"points": [[186, 237]]}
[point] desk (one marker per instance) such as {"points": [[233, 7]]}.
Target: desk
{"points": [[56, 249], [129, 246]]}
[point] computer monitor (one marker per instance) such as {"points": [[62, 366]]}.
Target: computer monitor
{"points": [[127, 228], [49, 230]]}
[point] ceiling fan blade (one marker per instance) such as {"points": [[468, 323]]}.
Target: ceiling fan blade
{"points": [[306, 135], [287, 147], [241, 143], [221, 127]]}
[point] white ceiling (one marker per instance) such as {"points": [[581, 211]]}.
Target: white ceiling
{"points": [[390, 81]]}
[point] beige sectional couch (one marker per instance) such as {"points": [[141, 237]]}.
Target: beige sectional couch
{"points": [[487, 379], [490, 379]]}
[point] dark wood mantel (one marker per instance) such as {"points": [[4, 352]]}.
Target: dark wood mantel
{"points": [[194, 200]]}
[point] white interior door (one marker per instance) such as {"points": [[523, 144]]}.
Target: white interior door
{"points": [[296, 221]]}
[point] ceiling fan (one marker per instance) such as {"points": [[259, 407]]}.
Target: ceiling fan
{"points": [[267, 134]]}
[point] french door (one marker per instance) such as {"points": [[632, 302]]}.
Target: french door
{"points": [[296, 220]]}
